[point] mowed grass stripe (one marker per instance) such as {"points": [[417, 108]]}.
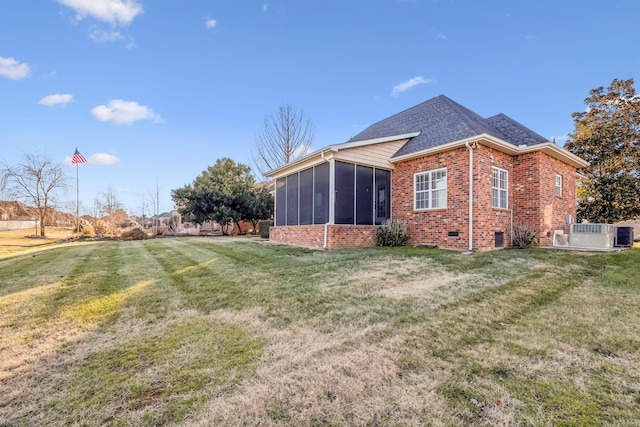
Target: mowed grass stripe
{"points": [[203, 282], [159, 379], [498, 336], [168, 367], [40, 268]]}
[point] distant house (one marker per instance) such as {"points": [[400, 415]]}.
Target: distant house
{"points": [[457, 180]]}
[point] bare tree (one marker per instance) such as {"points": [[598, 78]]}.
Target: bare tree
{"points": [[285, 136], [34, 182], [109, 204], [155, 205]]}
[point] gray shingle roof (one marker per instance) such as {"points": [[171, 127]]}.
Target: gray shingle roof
{"points": [[441, 120]]}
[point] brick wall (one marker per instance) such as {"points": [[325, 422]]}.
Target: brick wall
{"points": [[487, 219], [351, 236], [531, 196], [536, 202], [432, 227], [338, 236], [300, 235]]}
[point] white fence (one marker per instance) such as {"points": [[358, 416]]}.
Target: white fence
{"points": [[18, 225]]}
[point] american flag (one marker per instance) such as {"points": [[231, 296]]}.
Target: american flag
{"points": [[78, 158]]}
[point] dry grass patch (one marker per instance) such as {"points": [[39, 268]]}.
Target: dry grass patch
{"points": [[345, 377], [425, 286], [23, 241]]}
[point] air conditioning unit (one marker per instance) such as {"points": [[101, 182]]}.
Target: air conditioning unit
{"points": [[597, 236]]}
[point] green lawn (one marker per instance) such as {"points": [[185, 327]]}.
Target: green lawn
{"points": [[197, 332]]}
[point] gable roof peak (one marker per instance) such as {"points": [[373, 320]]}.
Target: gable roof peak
{"points": [[441, 120]]}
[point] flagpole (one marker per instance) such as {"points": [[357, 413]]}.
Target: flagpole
{"points": [[77, 201]]}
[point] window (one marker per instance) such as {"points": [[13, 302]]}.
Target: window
{"points": [[558, 185], [281, 201], [345, 191], [364, 195], [499, 186], [430, 189], [306, 197], [321, 193], [292, 199], [383, 195]]}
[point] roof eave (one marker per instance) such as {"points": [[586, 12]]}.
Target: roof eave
{"points": [[379, 140], [558, 152], [338, 147], [508, 148]]}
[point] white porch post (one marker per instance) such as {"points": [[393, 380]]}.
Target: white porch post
{"points": [[332, 191]]}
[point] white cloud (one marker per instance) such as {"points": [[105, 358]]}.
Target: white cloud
{"points": [[210, 23], [124, 112], [13, 69], [265, 7], [103, 159], [56, 99], [101, 36], [120, 12], [406, 85], [441, 36]]}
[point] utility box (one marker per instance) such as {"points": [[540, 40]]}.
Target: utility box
{"points": [[624, 236], [597, 236]]}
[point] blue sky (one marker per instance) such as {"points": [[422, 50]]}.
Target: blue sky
{"points": [[153, 92]]}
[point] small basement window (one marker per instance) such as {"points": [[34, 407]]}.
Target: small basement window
{"points": [[499, 239]]}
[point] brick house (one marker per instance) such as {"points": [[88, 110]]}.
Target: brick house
{"points": [[457, 180]]}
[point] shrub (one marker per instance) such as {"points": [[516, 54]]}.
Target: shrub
{"points": [[523, 236], [87, 230], [392, 233], [100, 227], [263, 227], [134, 234]]}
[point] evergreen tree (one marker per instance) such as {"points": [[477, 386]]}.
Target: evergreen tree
{"points": [[607, 135]]}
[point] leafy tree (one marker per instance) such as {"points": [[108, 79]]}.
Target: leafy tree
{"points": [[284, 137], [34, 181], [226, 193], [607, 135], [260, 206]]}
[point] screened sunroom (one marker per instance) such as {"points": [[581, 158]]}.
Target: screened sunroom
{"points": [[334, 192], [337, 196]]}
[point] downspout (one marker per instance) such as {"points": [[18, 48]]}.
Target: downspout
{"points": [[470, 147], [332, 185]]}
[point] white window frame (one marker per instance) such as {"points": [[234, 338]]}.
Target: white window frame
{"points": [[499, 192], [426, 195], [558, 185]]}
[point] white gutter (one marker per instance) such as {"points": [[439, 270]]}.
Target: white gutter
{"points": [[547, 147], [470, 147]]}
